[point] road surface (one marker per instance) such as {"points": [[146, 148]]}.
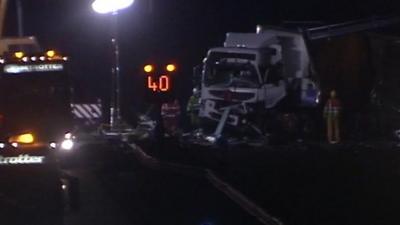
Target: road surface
{"points": [[316, 184], [116, 189]]}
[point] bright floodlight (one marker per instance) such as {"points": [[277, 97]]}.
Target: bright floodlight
{"points": [[109, 6]]}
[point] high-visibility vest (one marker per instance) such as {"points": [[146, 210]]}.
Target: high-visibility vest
{"points": [[193, 104], [332, 108]]}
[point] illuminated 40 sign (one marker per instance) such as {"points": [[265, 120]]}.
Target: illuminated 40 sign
{"points": [[159, 83]]}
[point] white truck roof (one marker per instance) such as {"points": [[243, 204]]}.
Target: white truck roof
{"points": [[234, 50], [249, 40], [264, 38], [293, 48]]}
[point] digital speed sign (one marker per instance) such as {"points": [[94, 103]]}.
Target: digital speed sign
{"points": [[159, 82], [158, 85]]}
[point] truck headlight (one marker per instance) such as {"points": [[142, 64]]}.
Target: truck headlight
{"points": [[53, 145], [68, 136], [67, 144]]}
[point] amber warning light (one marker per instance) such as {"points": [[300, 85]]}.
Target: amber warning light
{"points": [[148, 68], [171, 68], [27, 138]]}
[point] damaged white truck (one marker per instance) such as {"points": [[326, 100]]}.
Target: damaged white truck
{"points": [[264, 84]]}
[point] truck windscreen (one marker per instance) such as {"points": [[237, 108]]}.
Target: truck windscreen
{"points": [[231, 69], [231, 74], [33, 96]]}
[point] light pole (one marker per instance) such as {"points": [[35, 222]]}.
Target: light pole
{"points": [[112, 7], [20, 19]]}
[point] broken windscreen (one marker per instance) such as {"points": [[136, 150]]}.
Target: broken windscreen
{"points": [[230, 71]]}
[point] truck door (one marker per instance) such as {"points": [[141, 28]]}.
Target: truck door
{"points": [[274, 93], [274, 88]]}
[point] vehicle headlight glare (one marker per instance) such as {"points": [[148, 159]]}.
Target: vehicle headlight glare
{"points": [[68, 136], [53, 145], [67, 145]]}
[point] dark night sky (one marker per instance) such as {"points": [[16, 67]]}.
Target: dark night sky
{"points": [[181, 30]]}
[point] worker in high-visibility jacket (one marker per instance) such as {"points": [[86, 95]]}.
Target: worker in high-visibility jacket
{"points": [[170, 113], [193, 108], [332, 115]]}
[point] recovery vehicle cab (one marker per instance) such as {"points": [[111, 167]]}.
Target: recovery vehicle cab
{"points": [[35, 124]]}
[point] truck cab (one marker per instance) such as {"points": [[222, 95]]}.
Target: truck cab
{"points": [[35, 127], [256, 70], [35, 96]]}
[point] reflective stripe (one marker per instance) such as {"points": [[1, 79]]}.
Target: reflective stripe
{"points": [[92, 112], [83, 111], [97, 108], [77, 114], [87, 112]]}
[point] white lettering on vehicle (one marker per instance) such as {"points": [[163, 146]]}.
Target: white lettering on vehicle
{"points": [[21, 159], [15, 68]]}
